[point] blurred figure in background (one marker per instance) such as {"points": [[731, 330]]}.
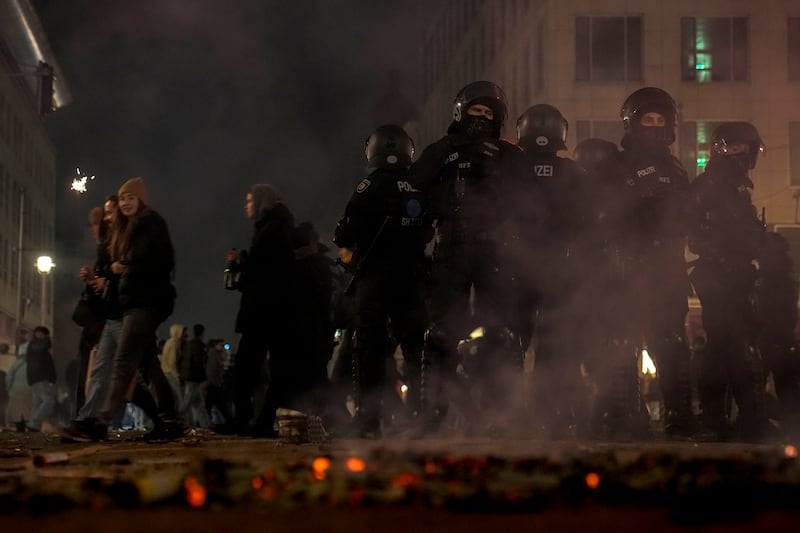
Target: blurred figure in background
{"points": [[41, 372]]}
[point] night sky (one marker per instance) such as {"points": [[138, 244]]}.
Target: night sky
{"points": [[203, 98]]}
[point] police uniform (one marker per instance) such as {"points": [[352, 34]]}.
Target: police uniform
{"points": [[646, 224], [386, 223], [553, 216], [465, 173], [727, 235]]}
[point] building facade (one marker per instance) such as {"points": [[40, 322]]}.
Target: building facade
{"points": [[29, 73], [721, 60]]}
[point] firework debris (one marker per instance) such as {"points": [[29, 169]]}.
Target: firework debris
{"points": [[693, 489]]}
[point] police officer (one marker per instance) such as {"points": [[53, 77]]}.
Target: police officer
{"points": [[553, 218], [386, 226], [644, 211], [592, 153], [464, 173], [726, 233], [776, 297]]}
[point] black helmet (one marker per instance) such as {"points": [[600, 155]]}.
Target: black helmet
{"points": [[648, 100], [484, 93], [731, 133], [591, 153], [542, 128], [389, 146]]}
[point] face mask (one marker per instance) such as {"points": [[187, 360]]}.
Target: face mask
{"points": [[743, 162], [656, 135], [479, 127]]}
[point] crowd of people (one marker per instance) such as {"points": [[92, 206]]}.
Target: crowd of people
{"points": [[457, 271]]}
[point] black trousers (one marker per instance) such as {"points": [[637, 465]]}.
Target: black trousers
{"points": [[285, 375]]}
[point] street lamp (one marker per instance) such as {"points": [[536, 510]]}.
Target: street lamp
{"points": [[44, 264]]}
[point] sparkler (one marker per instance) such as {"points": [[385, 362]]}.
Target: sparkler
{"points": [[79, 183]]}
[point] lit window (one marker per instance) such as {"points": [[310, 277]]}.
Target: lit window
{"points": [[714, 49], [694, 145]]}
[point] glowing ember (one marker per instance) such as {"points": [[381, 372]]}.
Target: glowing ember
{"points": [[405, 480], [195, 492], [592, 480], [79, 183], [320, 467], [354, 464], [258, 483], [790, 451]]}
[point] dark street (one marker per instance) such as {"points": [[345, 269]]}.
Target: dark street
{"points": [[204, 482]]}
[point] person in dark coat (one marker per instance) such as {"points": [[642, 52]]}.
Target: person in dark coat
{"points": [[266, 309], [315, 282], [41, 373], [92, 328], [193, 376]]}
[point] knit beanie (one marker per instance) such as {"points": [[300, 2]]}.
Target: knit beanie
{"points": [[136, 187], [96, 215], [265, 197]]}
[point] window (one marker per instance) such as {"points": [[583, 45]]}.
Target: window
{"points": [[694, 145], [610, 130], [794, 154], [793, 48], [714, 49], [608, 48]]}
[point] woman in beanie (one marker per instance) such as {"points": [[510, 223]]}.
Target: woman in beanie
{"points": [[142, 260], [265, 311]]}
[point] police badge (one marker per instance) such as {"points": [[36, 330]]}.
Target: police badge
{"points": [[363, 185]]}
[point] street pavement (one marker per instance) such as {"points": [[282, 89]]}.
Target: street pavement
{"points": [[207, 481]]}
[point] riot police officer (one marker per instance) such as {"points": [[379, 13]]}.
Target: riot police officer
{"points": [[552, 218], [592, 153], [644, 211], [465, 173], [727, 235], [776, 298], [386, 226], [602, 287]]}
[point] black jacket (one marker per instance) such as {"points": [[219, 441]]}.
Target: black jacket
{"points": [[268, 275], [193, 363], [645, 203], [466, 184], [723, 223], [40, 362], [386, 218], [149, 262]]}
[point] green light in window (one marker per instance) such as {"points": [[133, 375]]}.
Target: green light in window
{"points": [[700, 66], [702, 162]]}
